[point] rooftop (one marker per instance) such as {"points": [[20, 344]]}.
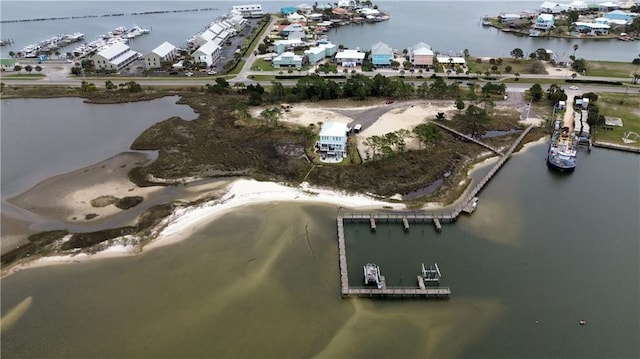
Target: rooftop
{"points": [[164, 49], [336, 129]]}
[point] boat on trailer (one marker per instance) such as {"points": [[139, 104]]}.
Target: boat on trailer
{"points": [[372, 275]]}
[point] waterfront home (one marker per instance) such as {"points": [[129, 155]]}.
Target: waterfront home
{"points": [[513, 20], [165, 52], [347, 4], [208, 53], [610, 22], [592, 28], [287, 59], [550, 7], [225, 35], [329, 48], [250, 11], [115, 57], [281, 46], [238, 22], [381, 54], [620, 15], [292, 28], [608, 6], [305, 8], [203, 38], [333, 141], [421, 55], [350, 58], [315, 54], [295, 17], [578, 5], [544, 22], [288, 10]]}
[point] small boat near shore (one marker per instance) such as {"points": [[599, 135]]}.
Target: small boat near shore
{"points": [[562, 150], [372, 275]]}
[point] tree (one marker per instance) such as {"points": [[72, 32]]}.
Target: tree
{"points": [[38, 68], [579, 65], [517, 53], [536, 92], [475, 118], [17, 68], [465, 53], [12, 54], [575, 48], [517, 75], [109, 85], [459, 104], [28, 68], [507, 68], [574, 75], [572, 16], [555, 94], [57, 53], [427, 134]]}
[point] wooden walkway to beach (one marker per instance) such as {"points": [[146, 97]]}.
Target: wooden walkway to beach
{"points": [[468, 137]]}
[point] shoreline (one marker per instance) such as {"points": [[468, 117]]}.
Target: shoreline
{"points": [[185, 221]]}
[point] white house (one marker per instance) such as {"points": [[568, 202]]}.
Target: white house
{"points": [[254, 10], [208, 53], [454, 60], [544, 22], [333, 140], [295, 17], [350, 58], [164, 52], [553, 7], [239, 23], [287, 59], [115, 57]]}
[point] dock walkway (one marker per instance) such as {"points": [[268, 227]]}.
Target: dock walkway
{"points": [[468, 137]]}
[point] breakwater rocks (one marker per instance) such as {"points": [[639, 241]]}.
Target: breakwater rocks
{"points": [[106, 15]]}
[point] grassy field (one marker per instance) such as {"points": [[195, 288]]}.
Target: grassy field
{"points": [[262, 65], [625, 106], [611, 69], [23, 76], [521, 66]]}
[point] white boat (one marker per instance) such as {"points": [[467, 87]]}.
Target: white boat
{"points": [[372, 275]]}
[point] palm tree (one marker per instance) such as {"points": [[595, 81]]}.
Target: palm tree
{"points": [[12, 54], [38, 68], [575, 48]]}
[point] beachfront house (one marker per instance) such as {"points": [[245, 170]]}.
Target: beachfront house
{"points": [[608, 6], [281, 46], [329, 49], [421, 55], [333, 141], [544, 22], [315, 54], [296, 27], [592, 28], [208, 53], [238, 22], [347, 4], [305, 8], [381, 54], [115, 57], [165, 52], [551, 7], [350, 58], [578, 5], [288, 10], [287, 59], [619, 15], [295, 17], [254, 10]]}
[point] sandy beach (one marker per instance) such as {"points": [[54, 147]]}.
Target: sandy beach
{"points": [[67, 197]]}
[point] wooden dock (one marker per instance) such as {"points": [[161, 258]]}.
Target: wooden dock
{"points": [[468, 137], [372, 223], [436, 223]]}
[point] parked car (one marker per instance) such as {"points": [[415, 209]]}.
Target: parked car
{"points": [[189, 73], [357, 128], [173, 73], [211, 72], [573, 87], [389, 101]]}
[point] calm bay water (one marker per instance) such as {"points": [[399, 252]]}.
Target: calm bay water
{"points": [[42, 138], [448, 26], [541, 247]]}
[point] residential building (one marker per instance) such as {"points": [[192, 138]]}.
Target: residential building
{"points": [[305, 8], [333, 140], [421, 55], [287, 59], [346, 4], [115, 57], [162, 53], [239, 23], [296, 27], [329, 49], [250, 11], [350, 58], [281, 46], [592, 28], [295, 17], [315, 54], [288, 10], [208, 53], [381, 54], [203, 38], [620, 15], [544, 22], [608, 6], [578, 5], [551, 7]]}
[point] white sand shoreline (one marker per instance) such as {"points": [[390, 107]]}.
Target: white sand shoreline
{"points": [[187, 220]]}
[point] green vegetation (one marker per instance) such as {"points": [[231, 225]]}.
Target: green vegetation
{"points": [[262, 65], [611, 69], [624, 106], [23, 76], [499, 66]]}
